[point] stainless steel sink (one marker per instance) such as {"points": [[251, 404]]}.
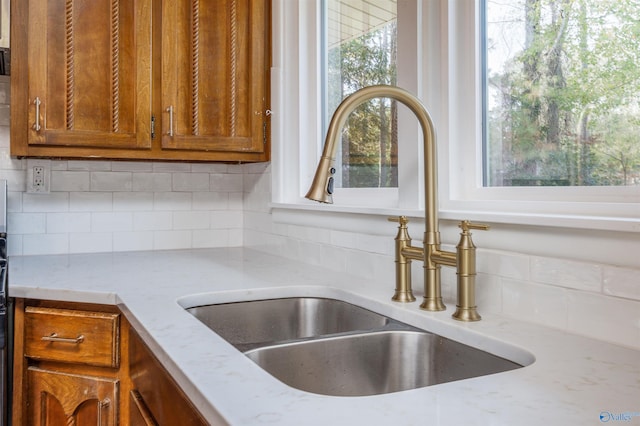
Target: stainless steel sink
{"points": [[331, 347], [251, 324], [376, 363]]}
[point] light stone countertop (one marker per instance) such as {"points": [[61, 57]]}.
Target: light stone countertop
{"points": [[573, 380]]}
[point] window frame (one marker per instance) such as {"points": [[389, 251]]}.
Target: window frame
{"points": [[449, 43]]}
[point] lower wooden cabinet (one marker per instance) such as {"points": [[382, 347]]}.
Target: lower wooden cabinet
{"points": [[83, 365], [156, 399], [56, 398]]}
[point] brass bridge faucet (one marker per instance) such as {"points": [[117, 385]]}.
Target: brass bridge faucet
{"points": [[431, 255], [464, 260]]}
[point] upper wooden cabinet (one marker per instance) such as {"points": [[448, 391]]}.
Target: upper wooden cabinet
{"points": [[141, 79]]}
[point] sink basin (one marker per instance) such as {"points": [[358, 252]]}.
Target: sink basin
{"points": [[251, 324], [330, 347], [375, 363]]}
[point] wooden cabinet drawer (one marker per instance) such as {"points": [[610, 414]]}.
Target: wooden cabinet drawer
{"points": [[72, 336]]}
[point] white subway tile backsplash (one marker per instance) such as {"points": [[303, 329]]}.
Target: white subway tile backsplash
{"points": [[333, 258], [212, 201], [130, 241], [171, 167], [133, 201], [236, 237], [90, 166], [68, 222], [225, 182], [236, 201], [503, 264], [225, 219], [262, 169], [313, 235], [608, 318], [566, 273], [190, 182], [111, 181], [90, 201], [131, 166], [14, 201], [58, 165], [343, 239], [310, 252], [91, 242], [539, 303], [375, 244], [209, 168], [488, 293], [27, 223], [16, 180], [68, 181], [152, 221], [168, 240], [111, 222], [34, 244], [154, 182], [6, 161], [622, 282], [172, 201], [211, 238], [191, 220], [361, 264], [52, 202]]}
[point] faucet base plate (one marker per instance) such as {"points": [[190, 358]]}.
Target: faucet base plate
{"points": [[403, 296], [433, 304], [466, 314]]}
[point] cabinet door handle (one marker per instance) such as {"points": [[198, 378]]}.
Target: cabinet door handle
{"points": [[54, 338], [36, 126], [170, 111]]}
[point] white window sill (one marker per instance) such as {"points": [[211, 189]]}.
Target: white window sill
{"points": [[339, 217]]}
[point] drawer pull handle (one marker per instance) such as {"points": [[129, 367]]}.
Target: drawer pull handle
{"points": [[54, 338]]}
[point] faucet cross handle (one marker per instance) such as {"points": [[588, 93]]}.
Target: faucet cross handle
{"points": [[402, 220], [466, 225]]}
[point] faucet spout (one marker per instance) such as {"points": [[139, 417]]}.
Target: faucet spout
{"points": [[321, 189]]}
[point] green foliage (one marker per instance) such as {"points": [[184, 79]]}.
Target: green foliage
{"points": [[369, 139], [569, 100]]}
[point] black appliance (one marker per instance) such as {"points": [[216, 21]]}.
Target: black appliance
{"points": [[6, 317]]}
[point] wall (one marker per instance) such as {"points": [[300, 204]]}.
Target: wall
{"points": [[98, 206]]}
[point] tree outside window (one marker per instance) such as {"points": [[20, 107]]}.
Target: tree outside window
{"points": [[362, 50], [562, 93]]}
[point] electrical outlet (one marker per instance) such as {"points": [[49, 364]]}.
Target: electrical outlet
{"points": [[38, 176]]}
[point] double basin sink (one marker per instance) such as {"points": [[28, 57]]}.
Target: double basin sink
{"points": [[330, 347]]}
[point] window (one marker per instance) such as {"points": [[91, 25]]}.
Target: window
{"points": [[562, 93], [361, 50], [439, 58]]}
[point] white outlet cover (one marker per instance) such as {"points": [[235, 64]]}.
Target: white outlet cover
{"points": [[46, 187]]}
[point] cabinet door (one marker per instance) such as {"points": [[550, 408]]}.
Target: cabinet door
{"points": [[214, 69], [89, 81], [57, 398], [155, 396]]}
